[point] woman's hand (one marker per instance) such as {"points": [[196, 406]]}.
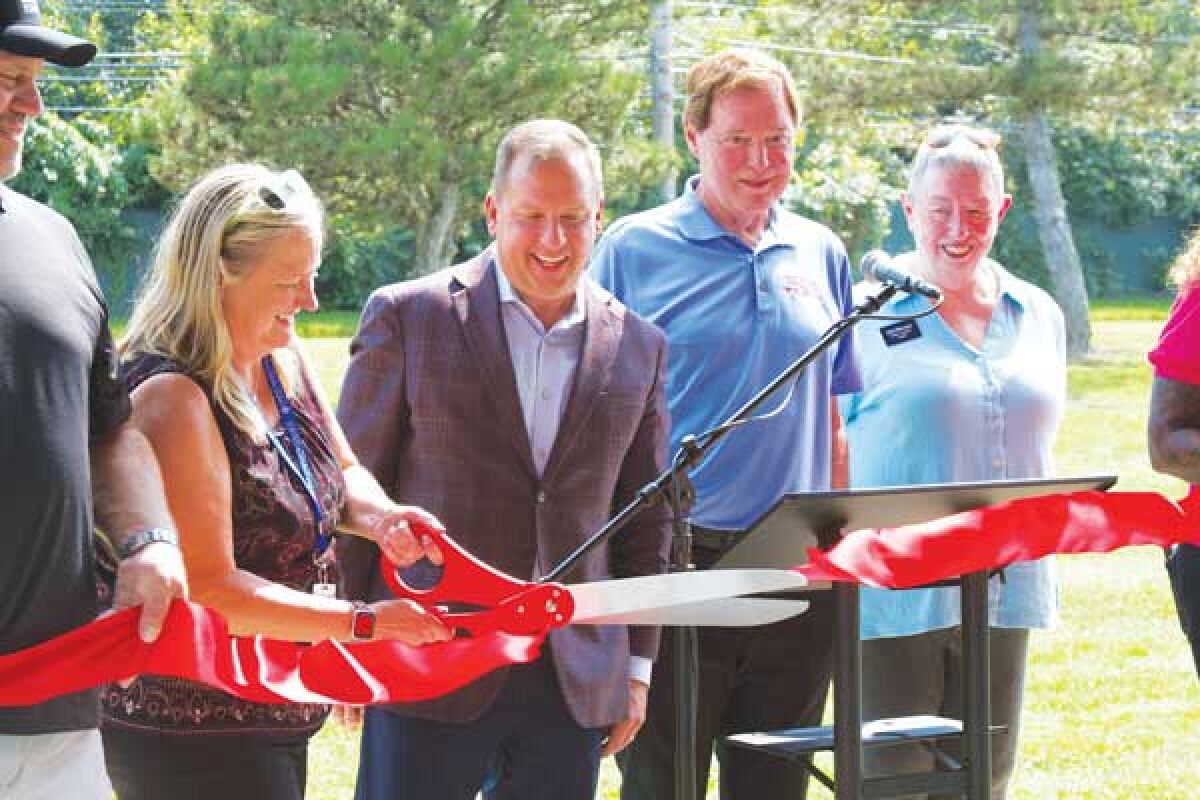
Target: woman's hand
{"points": [[408, 622], [402, 533]]}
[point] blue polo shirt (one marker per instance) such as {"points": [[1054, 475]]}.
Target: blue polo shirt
{"points": [[735, 317], [933, 409]]}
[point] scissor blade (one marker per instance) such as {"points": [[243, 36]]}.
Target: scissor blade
{"points": [[624, 595], [726, 612]]}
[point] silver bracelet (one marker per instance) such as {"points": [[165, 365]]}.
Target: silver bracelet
{"points": [[136, 542]]}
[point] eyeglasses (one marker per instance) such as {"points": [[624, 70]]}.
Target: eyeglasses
{"points": [[279, 189], [776, 142], [945, 135]]}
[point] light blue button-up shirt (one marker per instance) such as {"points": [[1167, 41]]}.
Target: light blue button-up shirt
{"points": [[934, 409], [735, 317]]}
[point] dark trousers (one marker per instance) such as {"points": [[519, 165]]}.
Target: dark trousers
{"points": [[1183, 568], [146, 765], [750, 679], [527, 746]]}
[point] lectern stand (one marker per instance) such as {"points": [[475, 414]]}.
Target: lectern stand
{"points": [[782, 538]]}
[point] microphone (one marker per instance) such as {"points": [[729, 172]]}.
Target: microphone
{"points": [[878, 266]]}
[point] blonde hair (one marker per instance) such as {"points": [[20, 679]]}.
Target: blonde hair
{"points": [[1185, 269], [730, 70], [546, 140], [220, 226], [958, 146]]}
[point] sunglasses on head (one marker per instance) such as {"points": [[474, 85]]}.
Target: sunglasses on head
{"points": [[280, 189], [945, 135]]}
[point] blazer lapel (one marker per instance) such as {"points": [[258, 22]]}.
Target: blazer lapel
{"points": [[476, 301], [601, 333]]}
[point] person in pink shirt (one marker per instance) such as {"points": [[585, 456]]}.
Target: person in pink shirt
{"points": [[1173, 432]]}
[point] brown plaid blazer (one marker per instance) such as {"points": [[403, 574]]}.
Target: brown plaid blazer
{"points": [[431, 408]]}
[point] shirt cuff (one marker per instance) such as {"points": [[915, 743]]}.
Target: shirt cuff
{"points": [[640, 668]]}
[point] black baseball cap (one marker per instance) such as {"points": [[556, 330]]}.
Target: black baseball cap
{"points": [[22, 33]]}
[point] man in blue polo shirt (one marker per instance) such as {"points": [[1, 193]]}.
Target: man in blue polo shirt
{"points": [[742, 287]]}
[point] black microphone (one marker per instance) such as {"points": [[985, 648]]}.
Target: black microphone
{"points": [[878, 266]]}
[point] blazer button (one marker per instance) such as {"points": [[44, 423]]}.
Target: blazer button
{"points": [[541, 496]]}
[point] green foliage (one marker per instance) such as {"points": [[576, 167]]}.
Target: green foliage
{"points": [[71, 168], [846, 190], [392, 111], [1125, 179], [357, 263]]}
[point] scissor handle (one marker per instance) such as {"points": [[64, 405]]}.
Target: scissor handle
{"points": [[508, 604], [532, 612]]}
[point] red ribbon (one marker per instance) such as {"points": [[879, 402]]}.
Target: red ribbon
{"points": [[999, 535], [195, 644]]}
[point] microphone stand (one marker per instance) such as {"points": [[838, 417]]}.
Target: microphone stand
{"points": [[673, 483]]}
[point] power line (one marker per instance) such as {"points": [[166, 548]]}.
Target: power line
{"points": [[849, 55]]}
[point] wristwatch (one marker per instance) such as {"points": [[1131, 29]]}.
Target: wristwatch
{"points": [[362, 622], [138, 541]]}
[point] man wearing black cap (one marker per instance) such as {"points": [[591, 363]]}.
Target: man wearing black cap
{"points": [[69, 455]]}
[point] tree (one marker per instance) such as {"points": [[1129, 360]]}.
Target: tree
{"points": [[393, 110], [889, 68]]}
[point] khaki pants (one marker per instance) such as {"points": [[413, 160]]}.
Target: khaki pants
{"points": [[53, 766]]}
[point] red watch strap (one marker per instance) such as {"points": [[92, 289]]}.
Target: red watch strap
{"points": [[362, 622]]}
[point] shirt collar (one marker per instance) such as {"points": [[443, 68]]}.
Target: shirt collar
{"points": [[1011, 287], [696, 224], [508, 296]]}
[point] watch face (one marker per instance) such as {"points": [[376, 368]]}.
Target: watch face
{"points": [[362, 625]]}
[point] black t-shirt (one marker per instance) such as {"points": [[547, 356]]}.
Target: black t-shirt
{"points": [[58, 389]]}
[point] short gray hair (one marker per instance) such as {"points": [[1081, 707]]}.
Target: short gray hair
{"points": [[959, 146], [547, 140]]}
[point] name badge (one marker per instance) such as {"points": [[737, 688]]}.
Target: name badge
{"points": [[900, 332], [324, 585]]}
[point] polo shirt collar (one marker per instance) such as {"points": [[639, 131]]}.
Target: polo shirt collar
{"points": [[1010, 287], [697, 225]]}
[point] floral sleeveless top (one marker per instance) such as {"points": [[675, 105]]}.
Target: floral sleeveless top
{"points": [[273, 537]]}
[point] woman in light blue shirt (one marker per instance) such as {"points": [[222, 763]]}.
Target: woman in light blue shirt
{"points": [[974, 392]]}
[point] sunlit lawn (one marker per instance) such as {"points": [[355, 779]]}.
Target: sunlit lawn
{"points": [[1112, 705]]}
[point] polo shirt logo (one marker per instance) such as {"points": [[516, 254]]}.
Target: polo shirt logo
{"points": [[900, 332], [797, 283]]}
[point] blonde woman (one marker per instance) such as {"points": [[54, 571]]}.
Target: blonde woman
{"points": [[258, 476]]}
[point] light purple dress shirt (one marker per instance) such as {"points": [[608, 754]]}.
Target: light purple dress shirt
{"points": [[544, 364]]}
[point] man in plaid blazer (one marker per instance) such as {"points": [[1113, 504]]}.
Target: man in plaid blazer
{"points": [[520, 403]]}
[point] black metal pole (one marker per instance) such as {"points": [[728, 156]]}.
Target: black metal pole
{"points": [[687, 652], [977, 680], [847, 695]]}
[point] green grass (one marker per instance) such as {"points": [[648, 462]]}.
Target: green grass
{"points": [[1135, 307], [1112, 707]]}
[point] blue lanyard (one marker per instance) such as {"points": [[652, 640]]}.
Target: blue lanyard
{"points": [[299, 466]]}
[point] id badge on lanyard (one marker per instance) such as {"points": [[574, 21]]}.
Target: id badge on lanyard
{"points": [[323, 556]]}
